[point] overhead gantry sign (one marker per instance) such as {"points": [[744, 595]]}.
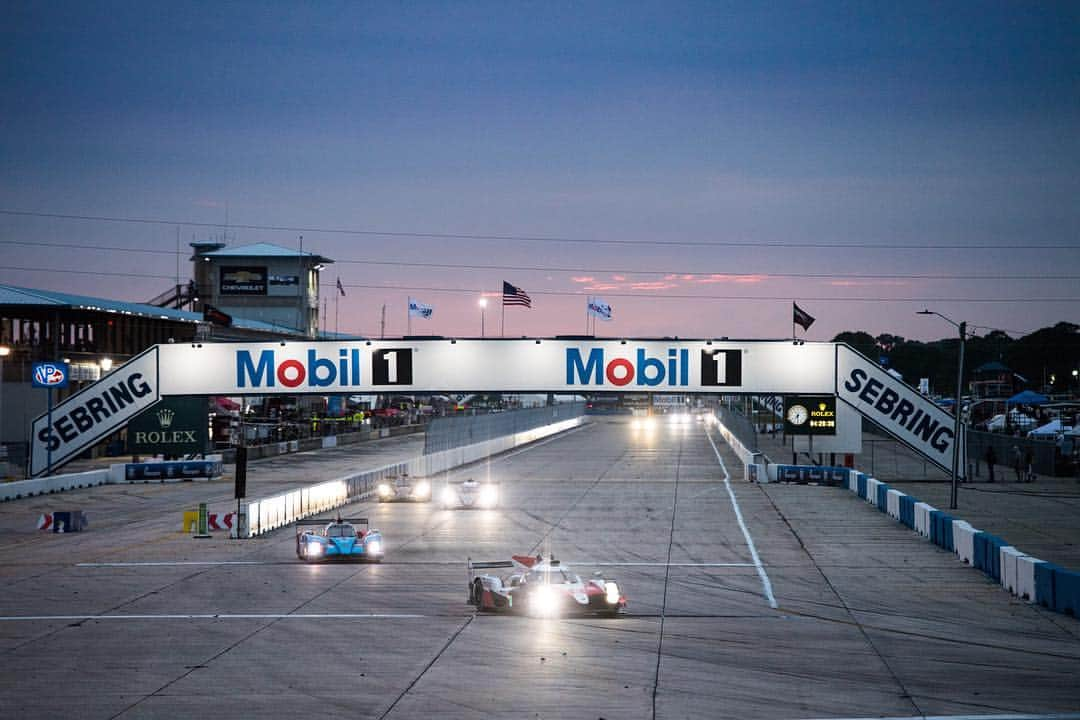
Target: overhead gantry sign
{"points": [[461, 366]]}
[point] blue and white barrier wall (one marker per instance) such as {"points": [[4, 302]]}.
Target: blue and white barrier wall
{"points": [[1026, 577]]}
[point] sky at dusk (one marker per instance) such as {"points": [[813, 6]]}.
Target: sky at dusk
{"points": [[696, 165]]}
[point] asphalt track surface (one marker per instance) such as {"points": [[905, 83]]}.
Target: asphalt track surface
{"points": [[746, 601]]}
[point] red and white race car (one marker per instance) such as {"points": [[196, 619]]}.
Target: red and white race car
{"points": [[543, 588]]}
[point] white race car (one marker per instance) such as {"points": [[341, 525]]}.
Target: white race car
{"points": [[470, 493], [403, 489], [541, 588]]}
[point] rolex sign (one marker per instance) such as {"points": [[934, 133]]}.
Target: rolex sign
{"points": [[175, 426]]}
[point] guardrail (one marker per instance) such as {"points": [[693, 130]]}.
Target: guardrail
{"points": [[1026, 577], [266, 514]]}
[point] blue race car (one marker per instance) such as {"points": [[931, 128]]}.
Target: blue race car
{"points": [[339, 539]]}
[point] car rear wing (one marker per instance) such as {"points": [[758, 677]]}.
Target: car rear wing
{"points": [[478, 482], [482, 566]]}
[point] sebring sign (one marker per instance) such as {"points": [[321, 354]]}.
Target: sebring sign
{"points": [[526, 365]]}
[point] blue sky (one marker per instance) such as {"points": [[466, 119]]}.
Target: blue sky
{"points": [[884, 124]]}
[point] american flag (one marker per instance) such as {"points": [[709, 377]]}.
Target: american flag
{"points": [[515, 296], [339, 287]]}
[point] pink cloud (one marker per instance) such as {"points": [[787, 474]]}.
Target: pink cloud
{"points": [[722, 278], [653, 285], [602, 286], [583, 279], [687, 277], [671, 277], [867, 283], [618, 278]]}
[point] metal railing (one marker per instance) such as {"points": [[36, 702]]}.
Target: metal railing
{"points": [[446, 433]]}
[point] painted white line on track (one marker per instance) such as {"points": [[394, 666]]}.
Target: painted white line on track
{"points": [[171, 563], [746, 533], [222, 616], [597, 563], [1010, 716]]}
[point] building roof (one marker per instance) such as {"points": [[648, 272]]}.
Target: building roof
{"points": [[27, 297], [267, 250]]}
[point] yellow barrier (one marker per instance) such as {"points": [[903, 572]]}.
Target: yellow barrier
{"points": [[191, 520]]}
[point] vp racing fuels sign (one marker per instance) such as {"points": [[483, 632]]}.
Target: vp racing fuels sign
{"points": [[95, 412]]}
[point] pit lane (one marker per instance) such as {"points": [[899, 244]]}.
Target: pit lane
{"points": [[139, 626]]}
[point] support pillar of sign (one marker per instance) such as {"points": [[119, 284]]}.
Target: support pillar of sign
{"points": [[48, 461]]}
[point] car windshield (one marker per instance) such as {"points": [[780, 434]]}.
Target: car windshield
{"points": [[340, 531]]}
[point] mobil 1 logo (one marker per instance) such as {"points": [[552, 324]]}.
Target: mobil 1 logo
{"points": [[721, 368], [391, 366]]}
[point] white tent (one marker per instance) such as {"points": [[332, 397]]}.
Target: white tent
{"points": [[1050, 430]]}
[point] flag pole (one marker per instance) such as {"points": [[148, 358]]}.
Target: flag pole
{"points": [[408, 317], [502, 317], [588, 301], [793, 338]]}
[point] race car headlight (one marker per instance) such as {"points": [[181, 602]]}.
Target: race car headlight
{"points": [[545, 601], [635, 424], [383, 490], [489, 496], [374, 547], [314, 548], [423, 489], [611, 593], [449, 497]]}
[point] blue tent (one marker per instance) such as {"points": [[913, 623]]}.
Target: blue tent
{"points": [[1028, 397]]}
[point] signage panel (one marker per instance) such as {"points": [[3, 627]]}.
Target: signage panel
{"points": [[445, 366], [175, 426], [243, 280], [49, 375], [810, 415], [896, 407], [94, 412]]}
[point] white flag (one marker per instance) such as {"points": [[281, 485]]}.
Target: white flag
{"points": [[419, 309], [599, 308]]}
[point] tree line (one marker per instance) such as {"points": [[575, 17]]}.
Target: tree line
{"points": [[1045, 358]]}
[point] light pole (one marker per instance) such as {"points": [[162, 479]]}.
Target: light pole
{"points": [[483, 304], [958, 440], [4, 352]]}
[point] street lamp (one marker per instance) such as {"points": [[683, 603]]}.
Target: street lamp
{"points": [[483, 304], [4, 352], [958, 440], [106, 364]]}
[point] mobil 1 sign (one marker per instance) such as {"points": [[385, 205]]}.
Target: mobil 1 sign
{"points": [[530, 365], [175, 426], [94, 412]]}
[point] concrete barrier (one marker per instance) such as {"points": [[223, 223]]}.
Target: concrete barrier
{"points": [[922, 518], [269, 513], [907, 510], [941, 529], [1044, 584], [1009, 568], [806, 474], [871, 490], [1025, 577], [987, 555], [882, 500], [1066, 591], [52, 484], [964, 541], [893, 503], [860, 485]]}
